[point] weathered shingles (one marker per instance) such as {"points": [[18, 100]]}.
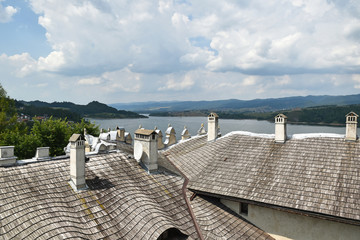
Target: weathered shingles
{"points": [[218, 222], [181, 155], [315, 174], [123, 201]]}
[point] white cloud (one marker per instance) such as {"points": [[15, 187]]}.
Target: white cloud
{"points": [[6, 13], [356, 79], [90, 81], [178, 84], [249, 81]]}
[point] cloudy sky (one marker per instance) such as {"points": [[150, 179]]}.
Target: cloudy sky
{"points": [[154, 50]]}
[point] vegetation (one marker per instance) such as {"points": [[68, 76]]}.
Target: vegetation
{"points": [[324, 115], [74, 112], [255, 105], [53, 133]]}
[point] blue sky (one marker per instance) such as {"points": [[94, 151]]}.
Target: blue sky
{"points": [[131, 51]]}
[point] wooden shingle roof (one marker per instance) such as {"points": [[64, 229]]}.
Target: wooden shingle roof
{"points": [[216, 221], [122, 202], [318, 174]]}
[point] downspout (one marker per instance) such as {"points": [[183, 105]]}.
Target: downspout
{"points": [[184, 187]]}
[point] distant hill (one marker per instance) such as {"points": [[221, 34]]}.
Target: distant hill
{"points": [[73, 111], [256, 105], [323, 115]]}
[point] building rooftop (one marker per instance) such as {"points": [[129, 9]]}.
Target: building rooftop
{"points": [[315, 174], [122, 201]]}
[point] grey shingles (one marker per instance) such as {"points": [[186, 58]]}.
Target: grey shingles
{"points": [[218, 222], [123, 201], [318, 175]]}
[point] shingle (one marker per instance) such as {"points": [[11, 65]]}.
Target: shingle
{"points": [[318, 175]]}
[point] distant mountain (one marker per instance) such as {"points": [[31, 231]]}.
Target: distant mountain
{"points": [[73, 111], [256, 105]]}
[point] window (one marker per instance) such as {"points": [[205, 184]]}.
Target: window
{"points": [[244, 208]]}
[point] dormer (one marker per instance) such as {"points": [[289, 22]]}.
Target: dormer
{"points": [[170, 136], [202, 130], [185, 134], [351, 126], [280, 128], [159, 139]]}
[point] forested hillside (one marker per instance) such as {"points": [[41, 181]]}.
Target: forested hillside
{"points": [[73, 111], [256, 105]]}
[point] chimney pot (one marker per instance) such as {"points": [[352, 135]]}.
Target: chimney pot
{"points": [[213, 126], [280, 128], [77, 162], [7, 157], [146, 149], [351, 126]]}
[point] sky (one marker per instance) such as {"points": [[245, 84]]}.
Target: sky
{"points": [[117, 51]]}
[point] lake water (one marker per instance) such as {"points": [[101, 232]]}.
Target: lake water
{"points": [[193, 124]]}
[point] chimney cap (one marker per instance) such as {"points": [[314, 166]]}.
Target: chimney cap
{"points": [[351, 114], [280, 115], [145, 132], [75, 137], [212, 114]]}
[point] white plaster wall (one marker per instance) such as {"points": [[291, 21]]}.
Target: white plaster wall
{"points": [[351, 132], [283, 225], [212, 129]]}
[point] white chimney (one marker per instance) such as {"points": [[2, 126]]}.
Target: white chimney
{"points": [[351, 126], [213, 126], [42, 153], [280, 128], [7, 157], [146, 149], [77, 162]]}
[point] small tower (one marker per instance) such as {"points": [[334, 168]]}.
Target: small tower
{"points": [[145, 148], [213, 125], [159, 138], [185, 134], [170, 136], [77, 162], [280, 128], [351, 126]]}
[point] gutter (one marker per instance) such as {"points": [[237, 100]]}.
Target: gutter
{"points": [[184, 187]]}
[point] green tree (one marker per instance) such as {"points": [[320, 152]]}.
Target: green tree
{"points": [[25, 144], [52, 133], [8, 113], [91, 128]]}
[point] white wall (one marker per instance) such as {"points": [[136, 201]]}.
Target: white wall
{"points": [[283, 225]]}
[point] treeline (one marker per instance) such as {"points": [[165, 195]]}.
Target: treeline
{"points": [[93, 109], [53, 133], [56, 113], [324, 115]]}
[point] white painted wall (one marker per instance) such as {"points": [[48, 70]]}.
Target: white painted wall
{"points": [[283, 225]]}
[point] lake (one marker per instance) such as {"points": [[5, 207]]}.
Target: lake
{"points": [[226, 125]]}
